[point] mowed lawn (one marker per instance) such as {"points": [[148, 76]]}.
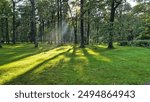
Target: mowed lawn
{"points": [[67, 65]]}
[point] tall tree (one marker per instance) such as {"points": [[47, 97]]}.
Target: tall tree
{"points": [[74, 19], [114, 5], [82, 23], [14, 22], [5, 11], [33, 24], [7, 30], [88, 22]]}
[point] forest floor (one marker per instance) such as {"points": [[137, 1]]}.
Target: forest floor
{"points": [[67, 65]]}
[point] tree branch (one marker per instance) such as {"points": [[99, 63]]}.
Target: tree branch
{"points": [[117, 3]]}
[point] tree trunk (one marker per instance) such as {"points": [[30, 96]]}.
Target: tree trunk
{"points": [[112, 16], [82, 25], [7, 32], [33, 24], [14, 23], [61, 21], [2, 31], [75, 36], [114, 5], [75, 30], [41, 30], [88, 28], [58, 24]]}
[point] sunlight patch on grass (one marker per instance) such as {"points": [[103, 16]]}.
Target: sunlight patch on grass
{"points": [[102, 46], [12, 70], [80, 55], [97, 55], [91, 52], [51, 63]]}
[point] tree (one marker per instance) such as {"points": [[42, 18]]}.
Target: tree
{"points": [[14, 22], [5, 11], [82, 23], [33, 24], [114, 5], [141, 11], [74, 19], [24, 21]]}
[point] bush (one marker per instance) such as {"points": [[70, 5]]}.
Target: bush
{"points": [[145, 37], [123, 43], [141, 43], [1, 46]]}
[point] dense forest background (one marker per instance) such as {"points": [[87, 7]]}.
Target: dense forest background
{"points": [[75, 21]]}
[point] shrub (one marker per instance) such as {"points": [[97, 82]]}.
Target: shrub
{"points": [[141, 43], [145, 37], [123, 43]]}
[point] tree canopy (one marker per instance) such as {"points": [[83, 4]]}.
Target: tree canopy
{"points": [[73, 21]]}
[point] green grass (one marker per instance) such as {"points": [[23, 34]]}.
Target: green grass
{"points": [[23, 64]]}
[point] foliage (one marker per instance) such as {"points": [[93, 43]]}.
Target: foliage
{"points": [[141, 43], [123, 43]]}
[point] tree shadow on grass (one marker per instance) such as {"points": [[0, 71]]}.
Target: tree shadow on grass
{"points": [[21, 79], [115, 72], [99, 49], [98, 68], [73, 54]]}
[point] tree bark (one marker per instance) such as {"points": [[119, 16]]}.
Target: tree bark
{"points": [[2, 30], [75, 30], [82, 25], [33, 24], [58, 23], [0, 44], [88, 28], [7, 31], [112, 16], [61, 21], [114, 5], [14, 23]]}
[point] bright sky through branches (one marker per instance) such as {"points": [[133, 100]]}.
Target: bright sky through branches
{"points": [[132, 2]]}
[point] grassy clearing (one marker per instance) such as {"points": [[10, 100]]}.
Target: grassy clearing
{"points": [[23, 64]]}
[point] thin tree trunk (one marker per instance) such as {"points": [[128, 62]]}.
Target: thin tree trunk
{"points": [[58, 20], [7, 32], [33, 24], [82, 25], [75, 30], [61, 21], [14, 23], [112, 16], [2, 31], [88, 28], [0, 45]]}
